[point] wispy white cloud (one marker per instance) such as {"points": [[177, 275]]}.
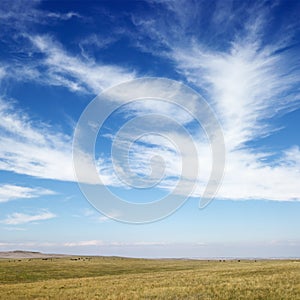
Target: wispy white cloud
{"points": [[47, 62], [114, 244], [247, 82], [74, 72], [2, 73], [63, 16], [9, 192], [93, 43], [84, 243], [247, 86], [55, 66], [21, 218], [27, 244], [33, 148], [22, 14], [15, 228]]}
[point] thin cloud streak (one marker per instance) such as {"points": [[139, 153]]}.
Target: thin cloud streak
{"points": [[75, 73], [21, 14], [33, 148], [21, 218], [9, 192]]}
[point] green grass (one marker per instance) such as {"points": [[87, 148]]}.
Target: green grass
{"points": [[121, 278]]}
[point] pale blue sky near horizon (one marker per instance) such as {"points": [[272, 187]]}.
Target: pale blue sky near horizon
{"points": [[242, 56]]}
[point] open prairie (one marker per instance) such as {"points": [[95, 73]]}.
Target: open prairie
{"points": [[126, 278]]}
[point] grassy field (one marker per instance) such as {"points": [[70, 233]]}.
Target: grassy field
{"points": [[122, 278]]}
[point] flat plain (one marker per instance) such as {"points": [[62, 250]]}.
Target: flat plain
{"points": [[128, 278]]}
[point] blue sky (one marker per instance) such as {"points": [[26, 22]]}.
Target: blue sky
{"points": [[242, 56]]}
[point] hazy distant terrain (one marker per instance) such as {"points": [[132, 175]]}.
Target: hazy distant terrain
{"points": [[125, 278], [27, 254]]}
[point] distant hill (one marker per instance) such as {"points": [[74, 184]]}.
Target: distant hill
{"points": [[28, 254]]}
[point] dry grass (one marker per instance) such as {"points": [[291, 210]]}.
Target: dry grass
{"points": [[117, 278]]}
